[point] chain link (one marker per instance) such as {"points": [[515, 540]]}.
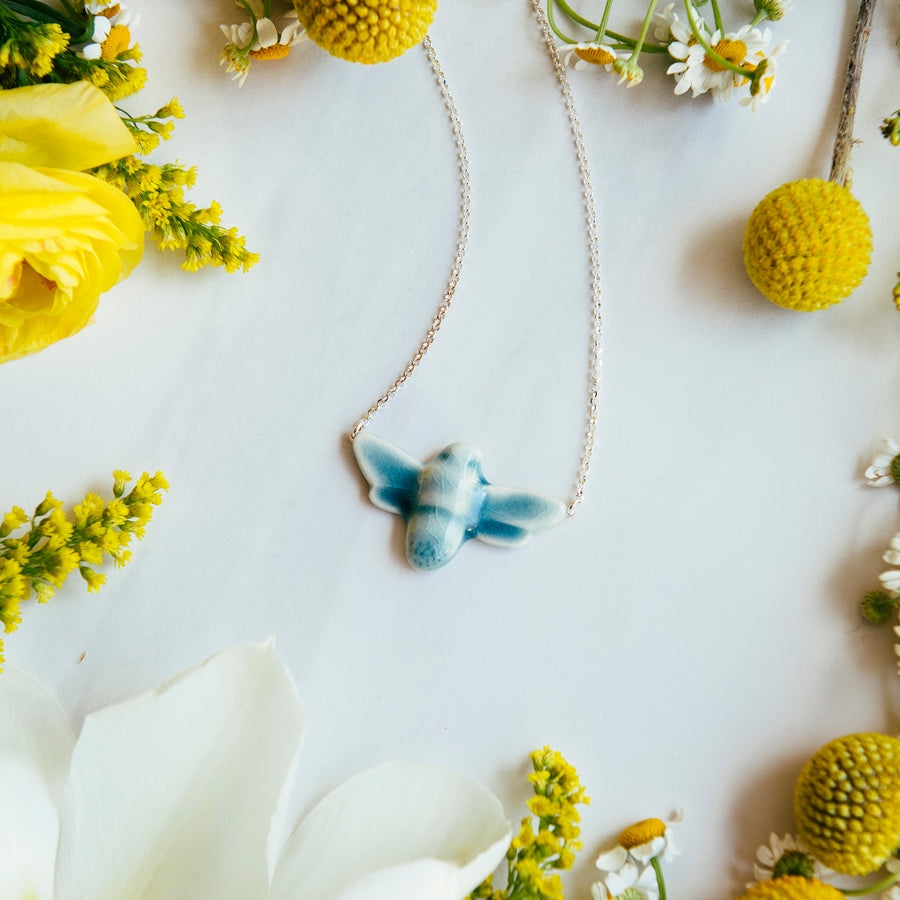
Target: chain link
{"points": [[464, 203]]}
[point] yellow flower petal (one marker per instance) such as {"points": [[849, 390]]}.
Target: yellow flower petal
{"points": [[65, 238], [66, 126]]}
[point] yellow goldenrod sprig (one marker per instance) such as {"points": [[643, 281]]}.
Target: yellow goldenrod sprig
{"points": [[177, 224], [28, 49], [117, 77], [40, 558], [542, 848]]}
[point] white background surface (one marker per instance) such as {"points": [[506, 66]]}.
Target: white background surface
{"points": [[692, 635]]}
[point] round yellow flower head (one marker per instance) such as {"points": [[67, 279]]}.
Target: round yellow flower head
{"points": [[65, 236], [807, 244], [793, 887], [847, 802], [366, 31], [642, 833]]}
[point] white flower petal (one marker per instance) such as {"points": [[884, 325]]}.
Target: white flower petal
{"points": [[645, 852], [266, 33], [611, 860], [35, 745], [620, 881], [175, 789], [397, 832], [91, 51]]}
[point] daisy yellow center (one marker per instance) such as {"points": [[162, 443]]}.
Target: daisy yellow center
{"points": [[733, 51], [273, 51], [110, 11], [641, 833], [117, 41], [595, 54]]}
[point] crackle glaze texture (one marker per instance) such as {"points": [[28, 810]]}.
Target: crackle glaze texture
{"points": [[446, 501]]}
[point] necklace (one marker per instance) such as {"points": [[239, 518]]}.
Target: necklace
{"points": [[446, 500]]}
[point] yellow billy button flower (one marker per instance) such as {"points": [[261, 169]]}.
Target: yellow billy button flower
{"points": [[807, 244], [793, 887], [366, 31], [847, 803], [65, 236]]}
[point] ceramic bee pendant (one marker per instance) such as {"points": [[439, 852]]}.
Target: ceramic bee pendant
{"points": [[447, 501]]}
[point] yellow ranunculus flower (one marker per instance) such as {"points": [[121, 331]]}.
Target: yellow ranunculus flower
{"points": [[65, 236]]}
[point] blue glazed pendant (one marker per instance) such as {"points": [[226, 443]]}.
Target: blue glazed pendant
{"points": [[446, 501]]}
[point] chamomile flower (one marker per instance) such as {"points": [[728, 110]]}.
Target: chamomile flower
{"points": [[766, 80], [112, 31], [786, 855], [630, 878], [881, 471], [697, 71], [258, 39], [587, 53], [627, 865], [669, 27]]}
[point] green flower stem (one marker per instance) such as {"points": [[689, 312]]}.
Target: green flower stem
{"points": [[40, 12], [660, 881], [551, 21], [601, 32], [645, 27], [717, 16], [758, 18], [623, 38], [725, 63], [871, 889]]}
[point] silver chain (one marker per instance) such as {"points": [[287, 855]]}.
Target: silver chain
{"points": [[464, 201]]}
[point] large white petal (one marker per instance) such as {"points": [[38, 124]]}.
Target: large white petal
{"points": [[173, 792], [397, 832], [35, 745]]}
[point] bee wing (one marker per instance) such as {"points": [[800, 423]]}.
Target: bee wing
{"points": [[392, 473], [510, 516]]}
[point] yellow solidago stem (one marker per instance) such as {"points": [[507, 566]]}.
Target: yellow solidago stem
{"points": [[157, 192], [40, 558], [544, 847]]}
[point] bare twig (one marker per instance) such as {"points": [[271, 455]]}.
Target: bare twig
{"points": [[843, 145]]}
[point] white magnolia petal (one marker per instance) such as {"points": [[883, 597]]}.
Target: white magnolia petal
{"points": [[35, 746], [613, 859], [34, 726], [384, 831], [176, 788], [29, 831]]}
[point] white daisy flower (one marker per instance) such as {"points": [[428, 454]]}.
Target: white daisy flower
{"points": [[630, 877], [794, 859], [269, 42], [774, 9], [768, 79], [627, 864], [668, 27], [892, 554], [879, 472], [112, 31], [696, 70], [586, 53]]}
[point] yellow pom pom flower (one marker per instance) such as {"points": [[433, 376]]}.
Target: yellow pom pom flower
{"points": [[847, 802], [366, 31], [807, 244], [65, 236], [793, 887]]}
